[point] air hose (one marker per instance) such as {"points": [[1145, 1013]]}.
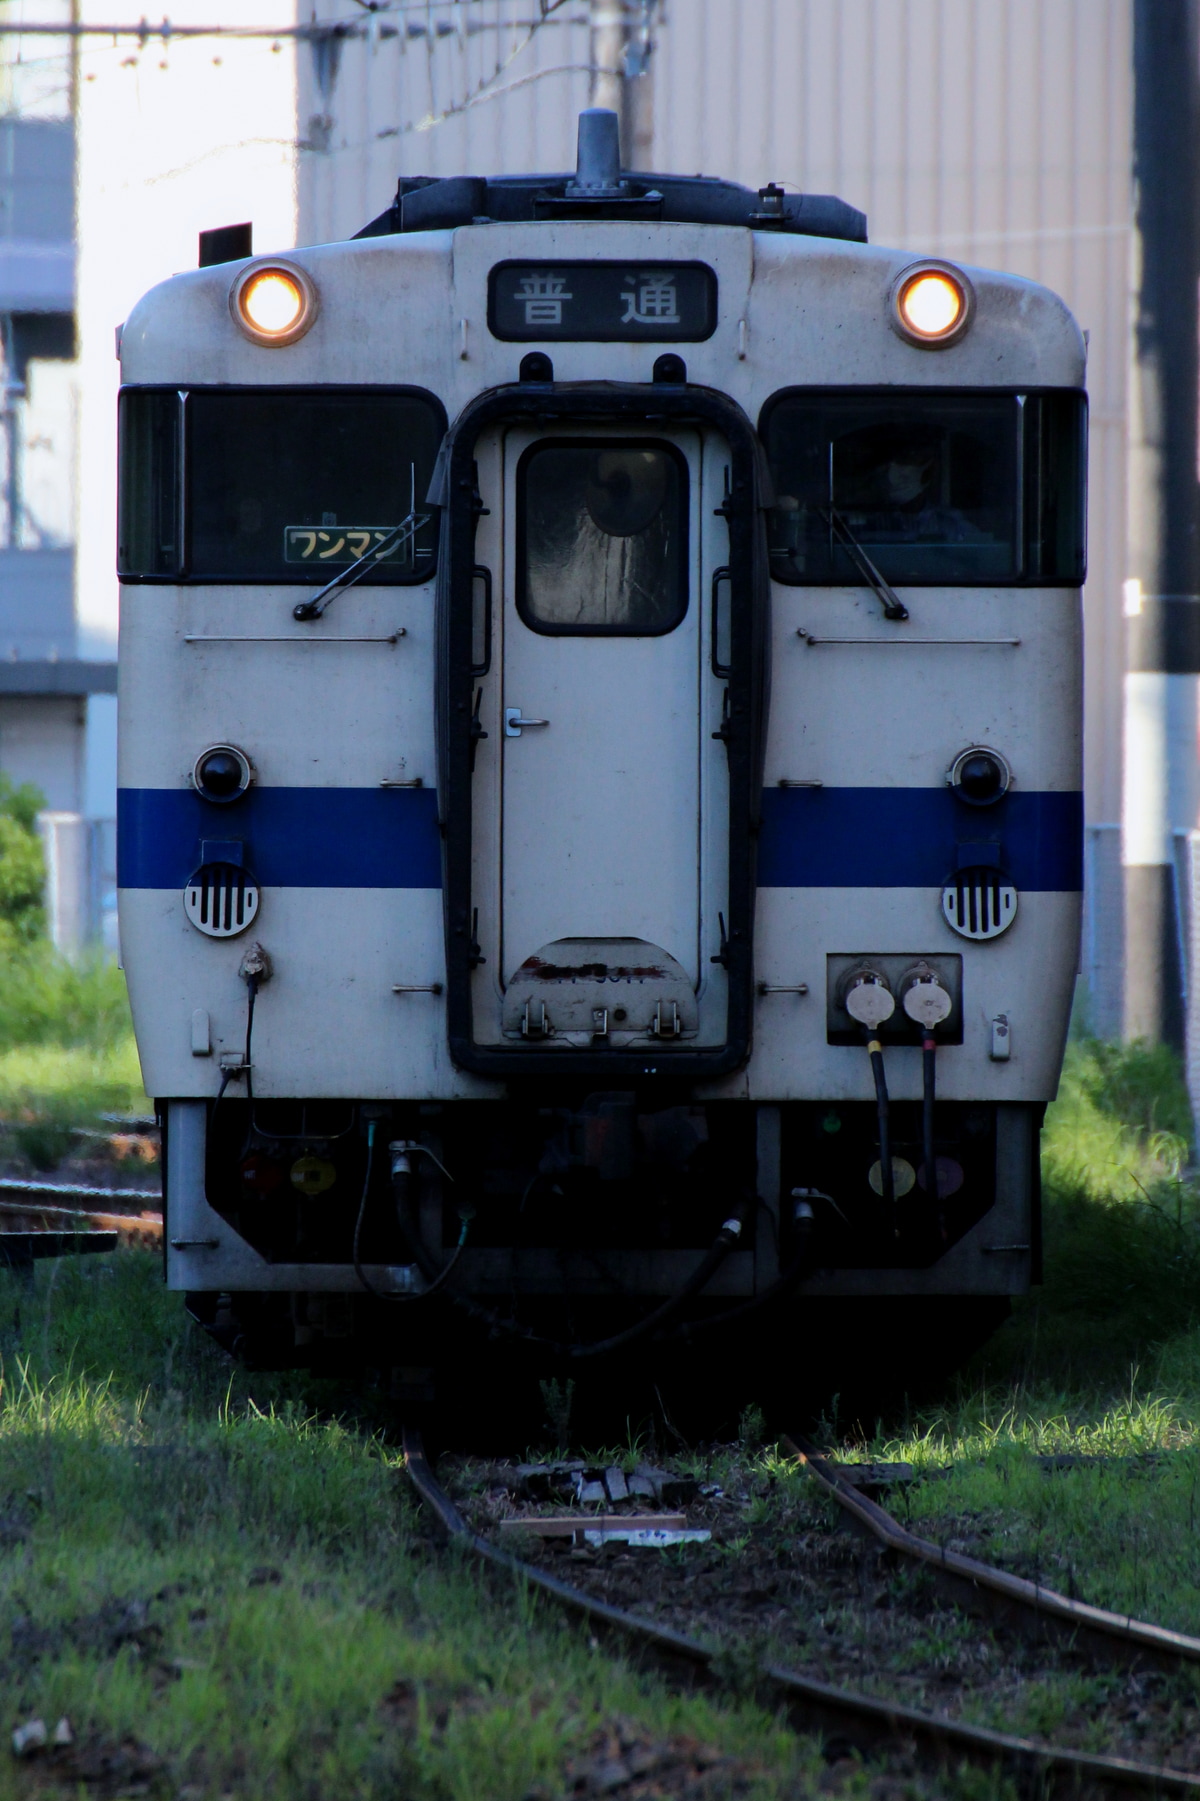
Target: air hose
{"points": [[255, 969], [729, 1235], [785, 1280]]}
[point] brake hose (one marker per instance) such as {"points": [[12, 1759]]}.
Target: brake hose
{"points": [[706, 1269]]}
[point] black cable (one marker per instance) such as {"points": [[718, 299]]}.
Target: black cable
{"points": [[252, 987], [359, 1271], [929, 1095], [227, 1075], [887, 1176], [466, 1215]]}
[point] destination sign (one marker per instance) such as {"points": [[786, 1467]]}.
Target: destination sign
{"points": [[602, 302]]}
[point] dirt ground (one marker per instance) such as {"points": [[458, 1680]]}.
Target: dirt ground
{"points": [[781, 1578]]}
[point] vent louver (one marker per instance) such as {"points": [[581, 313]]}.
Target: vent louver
{"points": [[221, 900], [979, 903]]}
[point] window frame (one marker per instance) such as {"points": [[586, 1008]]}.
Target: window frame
{"points": [[683, 554], [184, 575], [890, 395]]}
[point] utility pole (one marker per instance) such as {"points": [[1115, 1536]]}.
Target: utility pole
{"points": [[621, 46], [1162, 594]]}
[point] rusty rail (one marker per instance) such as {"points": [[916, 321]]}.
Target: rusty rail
{"points": [[835, 1715], [75, 1191], [142, 1230], [996, 1595]]}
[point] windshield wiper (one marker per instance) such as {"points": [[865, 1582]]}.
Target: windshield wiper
{"points": [[893, 606], [397, 538]]}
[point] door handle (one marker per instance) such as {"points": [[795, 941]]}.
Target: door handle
{"points": [[514, 724]]}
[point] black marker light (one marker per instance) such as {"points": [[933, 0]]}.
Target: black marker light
{"points": [[980, 776], [222, 774]]}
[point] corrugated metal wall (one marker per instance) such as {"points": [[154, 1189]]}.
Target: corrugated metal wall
{"points": [[451, 89], [993, 130]]}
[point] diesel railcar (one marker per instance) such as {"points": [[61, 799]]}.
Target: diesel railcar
{"points": [[600, 818]]}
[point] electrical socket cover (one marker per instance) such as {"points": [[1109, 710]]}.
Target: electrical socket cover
{"points": [[897, 968]]}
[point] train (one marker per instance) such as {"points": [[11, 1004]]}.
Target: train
{"points": [[563, 914]]}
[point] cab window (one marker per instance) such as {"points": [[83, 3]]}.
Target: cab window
{"points": [[941, 489], [276, 485]]}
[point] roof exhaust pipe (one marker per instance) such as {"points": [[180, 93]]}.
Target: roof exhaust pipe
{"points": [[598, 159]]}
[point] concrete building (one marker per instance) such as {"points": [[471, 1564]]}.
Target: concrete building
{"points": [[132, 142], [49, 692]]}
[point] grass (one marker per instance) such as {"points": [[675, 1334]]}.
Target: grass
{"points": [[196, 1565], [67, 1052], [215, 1572], [1102, 1361]]}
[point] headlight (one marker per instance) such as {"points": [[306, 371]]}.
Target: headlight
{"points": [[273, 303], [931, 304]]}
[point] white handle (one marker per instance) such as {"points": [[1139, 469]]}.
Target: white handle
{"points": [[514, 724]]}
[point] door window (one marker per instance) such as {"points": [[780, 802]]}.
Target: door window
{"points": [[602, 538]]}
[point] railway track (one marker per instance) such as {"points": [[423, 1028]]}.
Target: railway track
{"points": [[996, 1595], [32, 1228], [841, 1717]]}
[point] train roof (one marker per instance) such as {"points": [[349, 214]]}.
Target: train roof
{"points": [[601, 189]]}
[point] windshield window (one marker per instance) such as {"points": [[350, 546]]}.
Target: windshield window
{"points": [[276, 485], [938, 489], [602, 538]]}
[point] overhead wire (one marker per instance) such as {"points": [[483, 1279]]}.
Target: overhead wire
{"points": [[318, 31]]}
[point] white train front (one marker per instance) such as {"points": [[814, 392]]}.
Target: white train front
{"points": [[600, 685]]}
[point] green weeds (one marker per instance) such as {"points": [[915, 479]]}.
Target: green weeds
{"points": [[67, 1052], [1121, 1230], [1072, 1442], [197, 1563], [208, 1566]]}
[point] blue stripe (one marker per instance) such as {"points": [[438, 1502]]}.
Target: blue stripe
{"points": [[294, 837], [915, 838], [811, 837]]}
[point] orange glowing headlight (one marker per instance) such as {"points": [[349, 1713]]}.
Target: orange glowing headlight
{"points": [[273, 303], [931, 304]]}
